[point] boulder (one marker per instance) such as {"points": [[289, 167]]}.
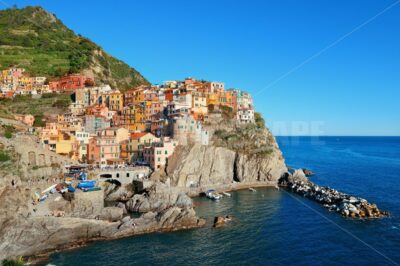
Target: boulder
{"points": [[158, 197], [308, 172], [111, 214], [219, 221]]}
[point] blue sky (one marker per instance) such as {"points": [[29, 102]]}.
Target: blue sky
{"points": [[353, 88]]}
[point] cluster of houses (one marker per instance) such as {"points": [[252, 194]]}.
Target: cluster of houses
{"points": [[15, 81], [143, 125]]}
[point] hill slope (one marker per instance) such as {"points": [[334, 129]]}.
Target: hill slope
{"points": [[38, 41]]}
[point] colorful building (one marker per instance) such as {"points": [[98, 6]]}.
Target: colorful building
{"points": [[157, 154], [70, 82]]}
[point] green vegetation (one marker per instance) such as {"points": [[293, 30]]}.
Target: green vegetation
{"points": [[260, 122], [18, 262], [8, 131], [4, 156], [8, 134], [38, 107], [249, 140], [36, 40]]}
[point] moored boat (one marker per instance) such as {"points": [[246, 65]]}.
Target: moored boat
{"points": [[226, 194], [212, 194]]}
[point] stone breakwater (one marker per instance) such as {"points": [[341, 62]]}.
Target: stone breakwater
{"points": [[333, 200]]}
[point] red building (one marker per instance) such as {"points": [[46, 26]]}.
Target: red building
{"points": [[70, 83]]}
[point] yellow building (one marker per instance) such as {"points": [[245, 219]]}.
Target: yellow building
{"points": [[67, 145], [213, 99], [116, 101], [199, 104]]}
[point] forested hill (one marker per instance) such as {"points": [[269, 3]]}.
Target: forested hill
{"points": [[38, 41]]}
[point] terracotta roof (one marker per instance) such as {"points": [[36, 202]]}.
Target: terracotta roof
{"points": [[138, 135]]}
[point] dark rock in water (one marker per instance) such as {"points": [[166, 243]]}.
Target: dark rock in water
{"points": [[346, 205], [308, 172], [219, 221]]}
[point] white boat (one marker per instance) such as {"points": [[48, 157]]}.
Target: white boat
{"points": [[226, 194], [48, 189], [252, 189], [212, 194]]}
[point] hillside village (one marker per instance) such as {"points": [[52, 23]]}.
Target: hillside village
{"points": [[141, 126]]}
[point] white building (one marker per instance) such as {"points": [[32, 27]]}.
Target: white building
{"points": [[245, 116], [83, 138]]}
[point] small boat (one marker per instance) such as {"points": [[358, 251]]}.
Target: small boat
{"points": [[226, 194], [91, 189], [49, 189], [212, 194], [71, 189], [43, 198], [252, 189], [86, 184]]}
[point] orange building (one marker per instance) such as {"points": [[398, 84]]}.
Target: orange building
{"points": [[133, 117], [70, 83]]}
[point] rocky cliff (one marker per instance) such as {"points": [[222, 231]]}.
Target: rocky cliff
{"points": [[30, 235], [245, 155]]}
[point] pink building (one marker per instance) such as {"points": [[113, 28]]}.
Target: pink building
{"points": [[158, 153], [104, 148]]}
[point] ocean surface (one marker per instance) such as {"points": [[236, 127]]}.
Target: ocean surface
{"points": [[272, 227]]}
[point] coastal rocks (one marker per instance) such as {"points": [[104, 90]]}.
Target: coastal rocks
{"points": [[219, 221], [28, 237], [346, 205], [111, 214], [82, 205], [203, 166], [200, 165], [308, 172], [251, 168], [40, 235], [170, 219], [158, 198], [118, 193]]}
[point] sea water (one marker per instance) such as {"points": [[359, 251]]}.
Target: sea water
{"points": [[274, 227]]}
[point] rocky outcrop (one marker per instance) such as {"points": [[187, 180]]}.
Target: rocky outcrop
{"points": [[24, 235], [200, 166], [345, 204], [111, 214], [159, 197], [235, 156], [41, 235]]}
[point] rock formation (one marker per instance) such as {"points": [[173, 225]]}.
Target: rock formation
{"points": [[245, 155], [345, 204], [162, 211]]}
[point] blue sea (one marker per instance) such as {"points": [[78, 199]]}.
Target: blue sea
{"points": [[272, 227]]}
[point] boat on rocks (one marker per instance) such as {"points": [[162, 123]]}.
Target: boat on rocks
{"points": [[252, 189], [342, 203]]}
